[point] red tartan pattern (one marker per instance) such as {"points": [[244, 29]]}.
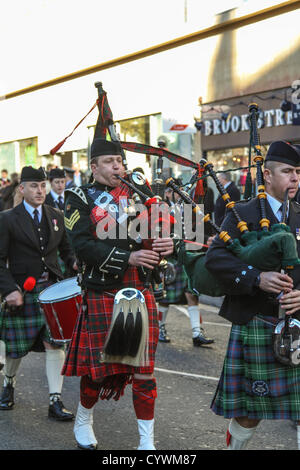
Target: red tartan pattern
{"points": [[87, 343], [143, 395]]}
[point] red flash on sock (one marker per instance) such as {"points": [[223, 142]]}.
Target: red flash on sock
{"points": [[89, 392], [144, 395], [228, 438]]}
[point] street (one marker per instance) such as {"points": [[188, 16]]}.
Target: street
{"points": [[186, 378]]}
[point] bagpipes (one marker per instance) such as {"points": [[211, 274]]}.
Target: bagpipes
{"points": [[126, 340], [270, 249], [156, 216]]}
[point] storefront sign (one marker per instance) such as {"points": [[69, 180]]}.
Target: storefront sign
{"points": [[296, 114], [173, 125], [240, 123]]}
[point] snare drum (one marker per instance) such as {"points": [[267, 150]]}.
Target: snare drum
{"points": [[61, 303]]}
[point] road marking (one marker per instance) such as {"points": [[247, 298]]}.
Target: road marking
{"points": [[218, 324], [176, 372]]}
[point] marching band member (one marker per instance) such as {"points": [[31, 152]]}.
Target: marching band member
{"points": [[55, 197], [253, 385], [31, 234], [110, 264], [177, 292]]}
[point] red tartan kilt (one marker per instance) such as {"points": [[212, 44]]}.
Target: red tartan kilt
{"points": [[92, 327]]}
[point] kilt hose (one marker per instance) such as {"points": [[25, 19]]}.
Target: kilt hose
{"points": [[26, 331], [253, 383], [83, 356]]}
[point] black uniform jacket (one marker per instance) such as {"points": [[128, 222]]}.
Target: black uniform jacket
{"points": [[220, 206], [244, 300], [104, 260], [50, 201], [20, 253]]}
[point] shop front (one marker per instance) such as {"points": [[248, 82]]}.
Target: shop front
{"points": [[225, 131], [16, 154]]}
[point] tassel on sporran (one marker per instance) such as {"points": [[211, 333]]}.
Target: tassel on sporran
{"points": [[127, 338]]}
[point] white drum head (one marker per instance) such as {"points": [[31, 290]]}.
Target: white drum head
{"points": [[63, 290]]}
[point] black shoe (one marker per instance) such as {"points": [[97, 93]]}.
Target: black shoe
{"points": [[163, 337], [58, 412], [201, 340], [7, 398]]}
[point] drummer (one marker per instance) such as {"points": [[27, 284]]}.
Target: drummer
{"points": [[31, 234]]}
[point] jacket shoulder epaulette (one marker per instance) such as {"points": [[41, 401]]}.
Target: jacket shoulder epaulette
{"points": [[78, 191]]}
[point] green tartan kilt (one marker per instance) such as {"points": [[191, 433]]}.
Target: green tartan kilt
{"points": [[252, 382], [27, 331], [175, 291]]}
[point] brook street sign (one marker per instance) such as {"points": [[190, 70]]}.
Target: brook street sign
{"points": [[239, 123]]}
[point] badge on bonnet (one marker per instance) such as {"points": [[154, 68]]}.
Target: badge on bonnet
{"points": [[127, 338]]}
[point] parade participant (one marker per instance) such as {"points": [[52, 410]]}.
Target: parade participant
{"points": [[109, 264], [69, 178], [253, 385], [234, 193], [55, 197], [31, 234], [177, 293]]}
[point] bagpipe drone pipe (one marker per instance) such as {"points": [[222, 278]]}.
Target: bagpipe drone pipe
{"points": [[268, 249]]}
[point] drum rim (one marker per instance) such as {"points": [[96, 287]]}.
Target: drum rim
{"points": [[61, 299]]}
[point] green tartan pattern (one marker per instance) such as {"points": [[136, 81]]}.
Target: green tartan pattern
{"points": [[23, 333], [252, 382], [175, 291]]}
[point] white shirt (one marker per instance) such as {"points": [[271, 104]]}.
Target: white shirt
{"points": [[276, 206], [77, 179], [56, 196], [31, 209]]}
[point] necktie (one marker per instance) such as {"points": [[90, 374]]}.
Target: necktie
{"points": [[60, 203], [36, 217], [280, 213]]}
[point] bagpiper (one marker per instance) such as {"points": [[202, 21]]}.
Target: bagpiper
{"points": [[115, 339]]}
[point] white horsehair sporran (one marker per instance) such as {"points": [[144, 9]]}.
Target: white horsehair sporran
{"points": [[127, 338]]}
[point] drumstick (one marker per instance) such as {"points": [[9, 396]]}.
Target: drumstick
{"points": [[29, 284]]}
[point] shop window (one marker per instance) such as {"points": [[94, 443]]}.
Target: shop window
{"points": [[232, 159], [14, 155]]}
